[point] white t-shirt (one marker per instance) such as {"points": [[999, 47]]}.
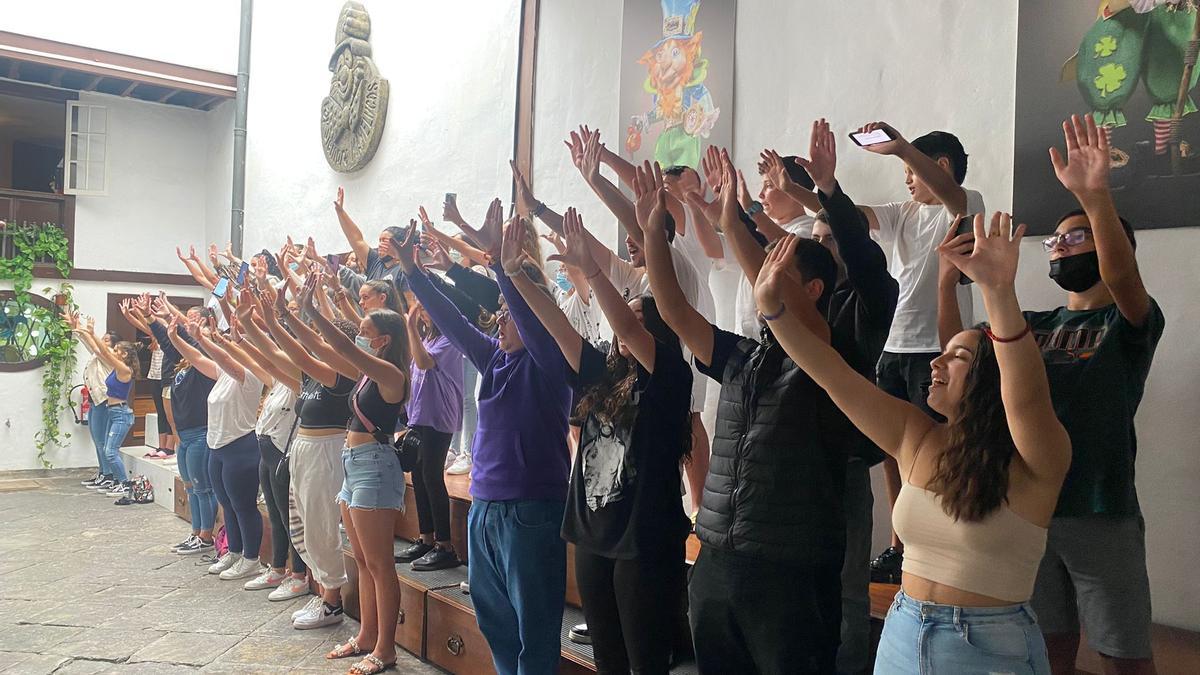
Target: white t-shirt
{"points": [[232, 409], [910, 233], [586, 318], [278, 415], [745, 309]]}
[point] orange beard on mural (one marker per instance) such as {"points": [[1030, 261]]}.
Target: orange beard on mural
{"points": [[670, 68]]}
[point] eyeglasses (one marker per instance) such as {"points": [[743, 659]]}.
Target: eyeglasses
{"points": [[1072, 238], [502, 316]]}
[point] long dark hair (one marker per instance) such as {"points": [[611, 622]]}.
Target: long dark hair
{"points": [[391, 297], [611, 399], [971, 474], [128, 353]]}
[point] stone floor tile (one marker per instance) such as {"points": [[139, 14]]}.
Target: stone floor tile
{"points": [[281, 652], [185, 649], [33, 638], [37, 664], [107, 644]]}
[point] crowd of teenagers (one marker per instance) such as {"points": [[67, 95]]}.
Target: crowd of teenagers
{"points": [[572, 387]]}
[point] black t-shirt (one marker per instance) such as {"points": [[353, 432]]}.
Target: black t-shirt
{"points": [[624, 497], [321, 407], [189, 398], [1097, 363], [377, 269]]}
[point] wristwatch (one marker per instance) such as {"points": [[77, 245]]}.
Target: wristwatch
{"points": [[538, 209], [756, 208]]}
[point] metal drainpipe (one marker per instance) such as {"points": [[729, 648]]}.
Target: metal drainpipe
{"points": [[238, 216]]}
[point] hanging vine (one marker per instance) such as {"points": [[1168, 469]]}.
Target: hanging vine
{"points": [[45, 243]]}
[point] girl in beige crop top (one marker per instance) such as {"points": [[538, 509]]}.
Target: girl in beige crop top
{"points": [[982, 487]]}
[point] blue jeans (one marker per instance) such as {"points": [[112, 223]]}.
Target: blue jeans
{"points": [[120, 419], [233, 472], [192, 458], [518, 577], [921, 638], [98, 427]]}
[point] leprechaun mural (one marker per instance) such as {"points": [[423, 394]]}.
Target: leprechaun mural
{"points": [[680, 102], [1147, 42]]}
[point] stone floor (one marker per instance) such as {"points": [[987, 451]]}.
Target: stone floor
{"points": [[89, 587]]}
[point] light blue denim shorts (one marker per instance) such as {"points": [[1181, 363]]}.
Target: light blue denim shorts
{"points": [[923, 638], [374, 479]]}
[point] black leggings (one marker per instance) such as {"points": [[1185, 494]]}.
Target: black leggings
{"points": [[164, 424], [273, 478], [632, 608], [429, 483]]}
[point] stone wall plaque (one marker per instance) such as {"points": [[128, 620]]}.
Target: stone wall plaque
{"points": [[354, 112]]}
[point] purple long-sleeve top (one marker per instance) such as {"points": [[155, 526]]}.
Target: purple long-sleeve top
{"points": [[436, 400], [520, 447]]}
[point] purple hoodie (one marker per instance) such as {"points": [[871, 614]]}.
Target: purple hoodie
{"points": [[520, 447]]}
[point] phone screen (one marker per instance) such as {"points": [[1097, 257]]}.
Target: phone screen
{"points": [[241, 277], [451, 197], [335, 261], [222, 288], [870, 137]]}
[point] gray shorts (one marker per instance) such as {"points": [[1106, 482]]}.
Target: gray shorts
{"points": [[1094, 573]]}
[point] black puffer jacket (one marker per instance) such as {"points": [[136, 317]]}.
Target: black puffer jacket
{"points": [[777, 473]]}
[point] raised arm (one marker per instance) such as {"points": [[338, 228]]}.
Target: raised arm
{"points": [[420, 356], [476, 286], [542, 341], [1041, 440], [620, 205], [530, 207], [949, 315], [194, 269], [218, 354], [312, 339], [262, 347], [544, 309], [889, 422], [625, 324], [245, 354], [748, 252], [1084, 172], [275, 305], [206, 366], [691, 326], [350, 229], [391, 379], [940, 181]]}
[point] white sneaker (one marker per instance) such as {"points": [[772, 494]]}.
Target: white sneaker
{"points": [[451, 458], [313, 606], [323, 616], [268, 579], [291, 587], [224, 562], [243, 568], [461, 466]]}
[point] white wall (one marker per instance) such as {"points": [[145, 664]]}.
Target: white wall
{"points": [[21, 415], [452, 70], [219, 173], [158, 163], [200, 35], [922, 66]]}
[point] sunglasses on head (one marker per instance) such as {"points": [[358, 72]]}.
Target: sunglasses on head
{"points": [[1071, 238]]}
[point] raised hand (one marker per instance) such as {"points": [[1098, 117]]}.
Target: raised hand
{"points": [[212, 255], [777, 273], [426, 223], [992, 264], [179, 254], [1085, 168], [743, 192], [576, 253], [512, 253], [192, 254], [413, 318], [729, 215], [589, 164], [656, 224], [340, 200], [555, 241], [646, 181], [403, 250], [489, 235], [91, 325], [711, 164], [574, 145], [441, 260], [821, 164], [892, 147], [526, 204]]}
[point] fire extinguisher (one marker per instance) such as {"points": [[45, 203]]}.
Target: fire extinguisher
{"points": [[85, 406]]}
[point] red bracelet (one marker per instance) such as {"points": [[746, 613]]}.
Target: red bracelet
{"points": [[987, 330]]}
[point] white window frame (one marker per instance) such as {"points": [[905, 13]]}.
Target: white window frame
{"points": [[85, 137]]}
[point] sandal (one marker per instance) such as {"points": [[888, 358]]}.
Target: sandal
{"points": [[350, 648], [370, 665]]}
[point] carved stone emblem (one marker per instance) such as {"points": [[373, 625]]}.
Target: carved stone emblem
{"points": [[353, 114]]}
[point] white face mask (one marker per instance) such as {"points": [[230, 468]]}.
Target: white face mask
{"points": [[364, 343]]}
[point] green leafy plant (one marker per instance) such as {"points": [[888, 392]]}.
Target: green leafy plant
{"points": [[46, 243]]}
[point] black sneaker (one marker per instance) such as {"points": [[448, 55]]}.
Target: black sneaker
{"points": [[185, 542], [413, 552], [195, 546], [885, 569], [92, 482], [104, 486], [437, 558], [579, 634]]}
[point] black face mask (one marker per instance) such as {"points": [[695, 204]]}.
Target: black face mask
{"points": [[1076, 273]]}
